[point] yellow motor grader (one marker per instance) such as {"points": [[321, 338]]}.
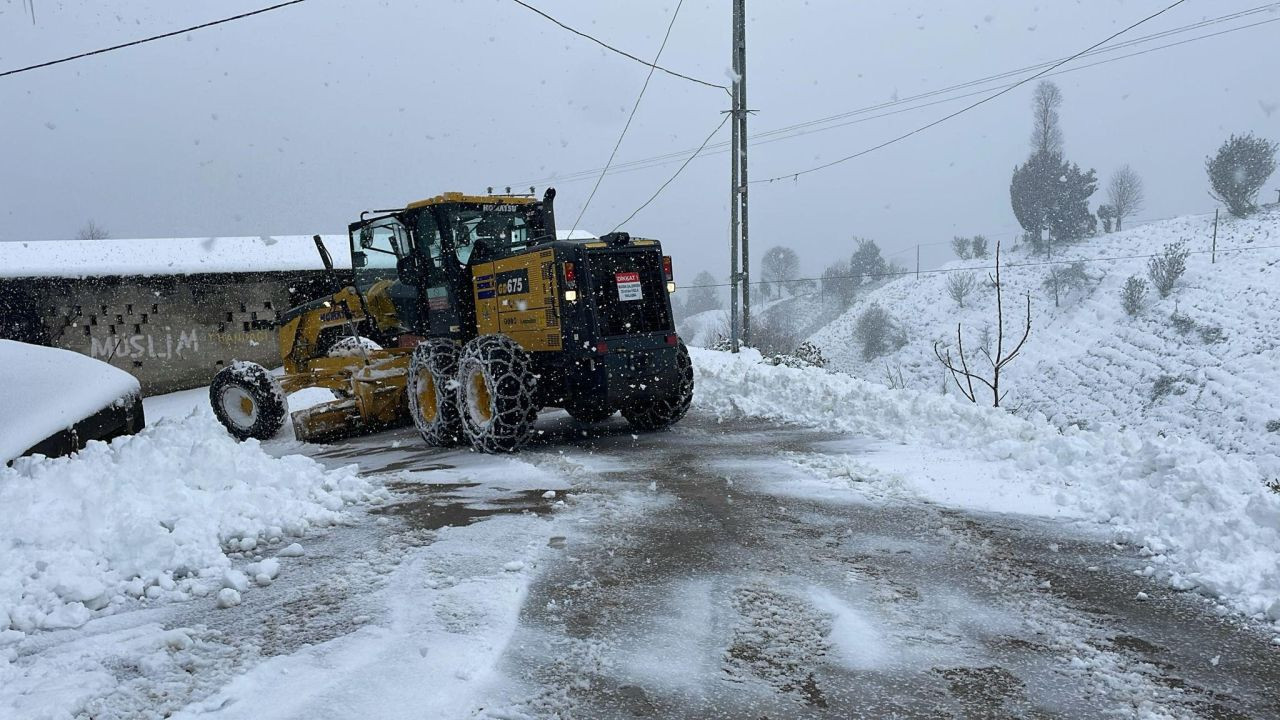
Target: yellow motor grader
{"points": [[465, 315]]}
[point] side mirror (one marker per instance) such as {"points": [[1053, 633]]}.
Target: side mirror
{"points": [[359, 259]]}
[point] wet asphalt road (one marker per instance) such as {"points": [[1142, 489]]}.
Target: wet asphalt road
{"points": [[731, 599], [695, 582]]}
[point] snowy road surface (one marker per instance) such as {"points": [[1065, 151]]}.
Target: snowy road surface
{"points": [[704, 572]]}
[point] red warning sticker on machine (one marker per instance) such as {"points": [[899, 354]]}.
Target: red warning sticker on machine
{"points": [[628, 286]]}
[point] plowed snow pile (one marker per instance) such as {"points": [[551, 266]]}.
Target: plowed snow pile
{"points": [[1204, 516], [150, 516]]}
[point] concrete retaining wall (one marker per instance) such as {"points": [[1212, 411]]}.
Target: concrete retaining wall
{"points": [[172, 332]]}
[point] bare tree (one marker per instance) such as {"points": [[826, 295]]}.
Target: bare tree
{"points": [[1046, 137], [92, 231], [778, 268], [1124, 195], [960, 286], [998, 361], [960, 246]]}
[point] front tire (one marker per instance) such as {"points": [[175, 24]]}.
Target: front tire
{"points": [[666, 410], [496, 387], [248, 401], [433, 399]]}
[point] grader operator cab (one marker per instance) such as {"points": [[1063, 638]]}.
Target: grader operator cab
{"points": [[465, 315]]}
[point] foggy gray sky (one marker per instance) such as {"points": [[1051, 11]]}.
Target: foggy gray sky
{"points": [[294, 121]]}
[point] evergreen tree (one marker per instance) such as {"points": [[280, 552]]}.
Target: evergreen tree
{"points": [[701, 298], [1069, 218], [1238, 171]]}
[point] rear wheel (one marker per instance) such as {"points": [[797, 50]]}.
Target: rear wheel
{"points": [[248, 401], [433, 399], [495, 392], [667, 408]]}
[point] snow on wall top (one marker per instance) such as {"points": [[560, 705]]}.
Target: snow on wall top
{"points": [[167, 256], [52, 390], [182, 256]]}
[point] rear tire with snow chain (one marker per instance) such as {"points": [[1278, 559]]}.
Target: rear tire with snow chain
{"points": [[433, 400], [496, 386], [248, 401], [667, 409]]}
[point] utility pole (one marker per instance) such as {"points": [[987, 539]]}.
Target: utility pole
{"points": [[735, 107], [740, 54]]}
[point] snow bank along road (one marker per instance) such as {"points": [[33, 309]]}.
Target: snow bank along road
{"points": [[732, 567]]}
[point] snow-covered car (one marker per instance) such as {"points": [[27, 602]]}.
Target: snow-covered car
{"points": [[54, 401]]}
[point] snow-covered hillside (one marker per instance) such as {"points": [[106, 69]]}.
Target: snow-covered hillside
{"points": [[1213, 374]]}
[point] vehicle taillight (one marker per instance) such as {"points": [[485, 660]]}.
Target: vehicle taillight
{"points": [[602, 347], [666, 268], [570, 275]]}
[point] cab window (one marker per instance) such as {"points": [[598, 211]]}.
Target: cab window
{"points": [[376, 248]]}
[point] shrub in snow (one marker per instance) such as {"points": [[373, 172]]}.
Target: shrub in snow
{"points": [[978, 247], [1181, 322], [1166, 385], [1238, 170], [1165, 268], [960, 285], [876, 333], [838, 284], [1134, 295], [806, 355], [1210, 334], [1273, 486], [1063, 280], [772, 335], [960, 246], [1273, 426]]}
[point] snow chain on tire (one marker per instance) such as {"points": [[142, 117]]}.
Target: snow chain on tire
{"points": [[248, 401], [496, 386], [433, 399], [669, 408]]}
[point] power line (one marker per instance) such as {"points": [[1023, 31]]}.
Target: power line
{"points": [[651, 65], [676, 175], [630, 117], [202, 26], [971, 106], [785, 132]]}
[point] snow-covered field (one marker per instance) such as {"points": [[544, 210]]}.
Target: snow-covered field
{"points": [[1212, 375], [1204, 516]]}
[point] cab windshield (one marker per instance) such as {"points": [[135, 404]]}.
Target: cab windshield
{"points": [[502, 228]]}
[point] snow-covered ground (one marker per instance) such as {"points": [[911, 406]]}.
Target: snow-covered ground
{"points": [[1204, 516], [152, 517], [37, 403], [1212, 375]]}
